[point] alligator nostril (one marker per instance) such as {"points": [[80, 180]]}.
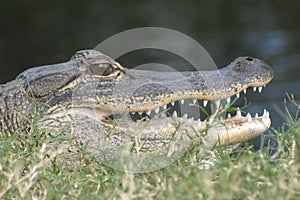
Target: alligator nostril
{"points": [[249, 59]]}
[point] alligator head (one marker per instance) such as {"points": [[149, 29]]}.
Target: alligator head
{"points": [[99, 95]]}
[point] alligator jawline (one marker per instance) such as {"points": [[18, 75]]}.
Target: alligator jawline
{"points": [[229, 131], [109, 117]]}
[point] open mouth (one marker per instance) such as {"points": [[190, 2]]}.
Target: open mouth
{"points": [[185, 110], [220, 126]]}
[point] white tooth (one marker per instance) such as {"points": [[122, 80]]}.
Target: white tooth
{"points": [[256, 115], [174, 114], [249, 117], [155, 117], [156, 110], [173, 103], [217, 103], [199, 122], [163, 115], [228, 100], [259, 89], [266, 113], [254, 89], [265, 85], [140, 113], [148, 112], [205, 103], [229, 126], [169, 125], [182, 101], [233, 125], [132, 113], [238, 95], [190, 120], [245, 91], [229, 115], [194, 101], [165, 107], [185, 116], [238, 113], [221, 118]]}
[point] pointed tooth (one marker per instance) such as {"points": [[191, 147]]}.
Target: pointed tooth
{"points": [[185, 116], [174, 114], [245, 91], [233, 125], [229, 115], [156, 110], [259, 89], [132, 113], [165, 107], [148, 112], [155, 117], [205, 103], [249, 117], [182, 101], [238, 113], [194, 101], [228, 100], [169, 125], [265, 85], [163, 115], [229, 126], [140, 113], [238, 95], [256, 115], [254, 89], [199, 122], [173, 103], [266, 113], [221, 118], [217, 103], [190, 120]]}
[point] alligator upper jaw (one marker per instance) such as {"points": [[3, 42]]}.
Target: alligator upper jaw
{"points": [[105, 116]]}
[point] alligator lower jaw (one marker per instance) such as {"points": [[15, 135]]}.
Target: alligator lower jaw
{"points": [[231, 130], [218, 131]]}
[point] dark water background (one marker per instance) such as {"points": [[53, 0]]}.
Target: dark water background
{"points": [[34, 33]]}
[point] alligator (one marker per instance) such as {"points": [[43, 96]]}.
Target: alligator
{"points": [[110, 108]]}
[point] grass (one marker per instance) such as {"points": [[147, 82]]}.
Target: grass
{"points": [[31, 172]]}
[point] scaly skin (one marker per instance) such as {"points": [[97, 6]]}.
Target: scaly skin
{"points": [[77, 97]]}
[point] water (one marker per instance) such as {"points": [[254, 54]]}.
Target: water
{"points": [[34, 34]]}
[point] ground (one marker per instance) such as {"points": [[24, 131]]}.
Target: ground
{"points": [[30, 172]]}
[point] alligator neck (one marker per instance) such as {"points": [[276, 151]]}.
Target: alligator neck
{"points": [[15, 107]]}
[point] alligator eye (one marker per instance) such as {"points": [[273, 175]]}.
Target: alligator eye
{"points": [[109, 70], [100, 69], [106, 69]]}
